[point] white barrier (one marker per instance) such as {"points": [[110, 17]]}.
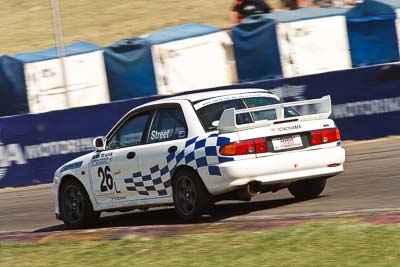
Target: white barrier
{"points": [[194, 63], [398, 27], [86, 82], [313, 46]]}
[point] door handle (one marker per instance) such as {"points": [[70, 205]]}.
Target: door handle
{"points": [[130, 155], [116, 172], [172, 149]]}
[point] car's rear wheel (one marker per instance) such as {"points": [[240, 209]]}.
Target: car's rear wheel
{"points": [[307, 189], [75, 206], [191, 198]]}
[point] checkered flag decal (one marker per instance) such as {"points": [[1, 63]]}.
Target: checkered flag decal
{"points": [[196, 153]]}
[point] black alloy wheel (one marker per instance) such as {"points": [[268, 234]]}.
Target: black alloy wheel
{"points": [[186, 195], [75, 206], [191, 198]]}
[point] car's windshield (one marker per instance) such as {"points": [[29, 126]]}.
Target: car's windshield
{"points": [[210, 113]]}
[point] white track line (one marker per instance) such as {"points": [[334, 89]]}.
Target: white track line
{"points": [[310, 214]]}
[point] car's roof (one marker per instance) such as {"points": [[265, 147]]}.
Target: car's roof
{"points": [[195, 97]]}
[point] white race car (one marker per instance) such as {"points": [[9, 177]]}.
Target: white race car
{"points": [[193, 150]]}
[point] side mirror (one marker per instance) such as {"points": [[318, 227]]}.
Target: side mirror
{"points": [[98, 143]]}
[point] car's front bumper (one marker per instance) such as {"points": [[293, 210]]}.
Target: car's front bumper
{"points": [[274, 169], [54, 196]]}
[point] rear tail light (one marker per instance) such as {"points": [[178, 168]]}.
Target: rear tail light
{"points": [[324, 136], [261, 145], [244, 147]]}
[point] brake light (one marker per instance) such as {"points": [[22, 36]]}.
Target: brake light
{"points": [[261, 145], [324, 136], [244, 147]]}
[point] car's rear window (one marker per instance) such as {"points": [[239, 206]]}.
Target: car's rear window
{"points": [[212, 112]]}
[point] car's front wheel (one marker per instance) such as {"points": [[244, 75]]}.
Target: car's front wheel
{"points": [[191, 198], [307, 189], [75, 206]]}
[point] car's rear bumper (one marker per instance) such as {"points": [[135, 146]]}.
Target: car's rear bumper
{"points": [[273, 169]]}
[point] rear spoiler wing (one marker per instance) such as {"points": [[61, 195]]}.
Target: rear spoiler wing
{"points": [[227, 121]]}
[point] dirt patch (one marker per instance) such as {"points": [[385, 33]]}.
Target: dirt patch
{"points": [[118, 233]]}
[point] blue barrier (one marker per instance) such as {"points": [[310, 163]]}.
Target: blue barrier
{"points": [[366, 105], [371, 29], [129, 67], [366, 101], [33, 146]]}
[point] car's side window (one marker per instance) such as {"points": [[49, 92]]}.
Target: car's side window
{"points": [[168, 124], [131, 133]]}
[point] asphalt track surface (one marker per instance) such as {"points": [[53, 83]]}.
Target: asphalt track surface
{"points": [[370, 183]]}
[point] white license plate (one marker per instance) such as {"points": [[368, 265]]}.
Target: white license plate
{"points": [[287, 142]]}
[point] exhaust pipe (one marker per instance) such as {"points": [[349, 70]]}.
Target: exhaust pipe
{"points": [[250, 190], [253, 188], [244, 193]]}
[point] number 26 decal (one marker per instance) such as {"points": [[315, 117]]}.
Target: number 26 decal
{"points": [[107, 182]]}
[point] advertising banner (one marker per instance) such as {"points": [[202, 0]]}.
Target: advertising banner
{"points": [[365, 104], [365, 101], [33, 146]]}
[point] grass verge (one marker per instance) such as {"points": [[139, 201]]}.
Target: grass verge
{"points": [[26, 25], [314, 244]]}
